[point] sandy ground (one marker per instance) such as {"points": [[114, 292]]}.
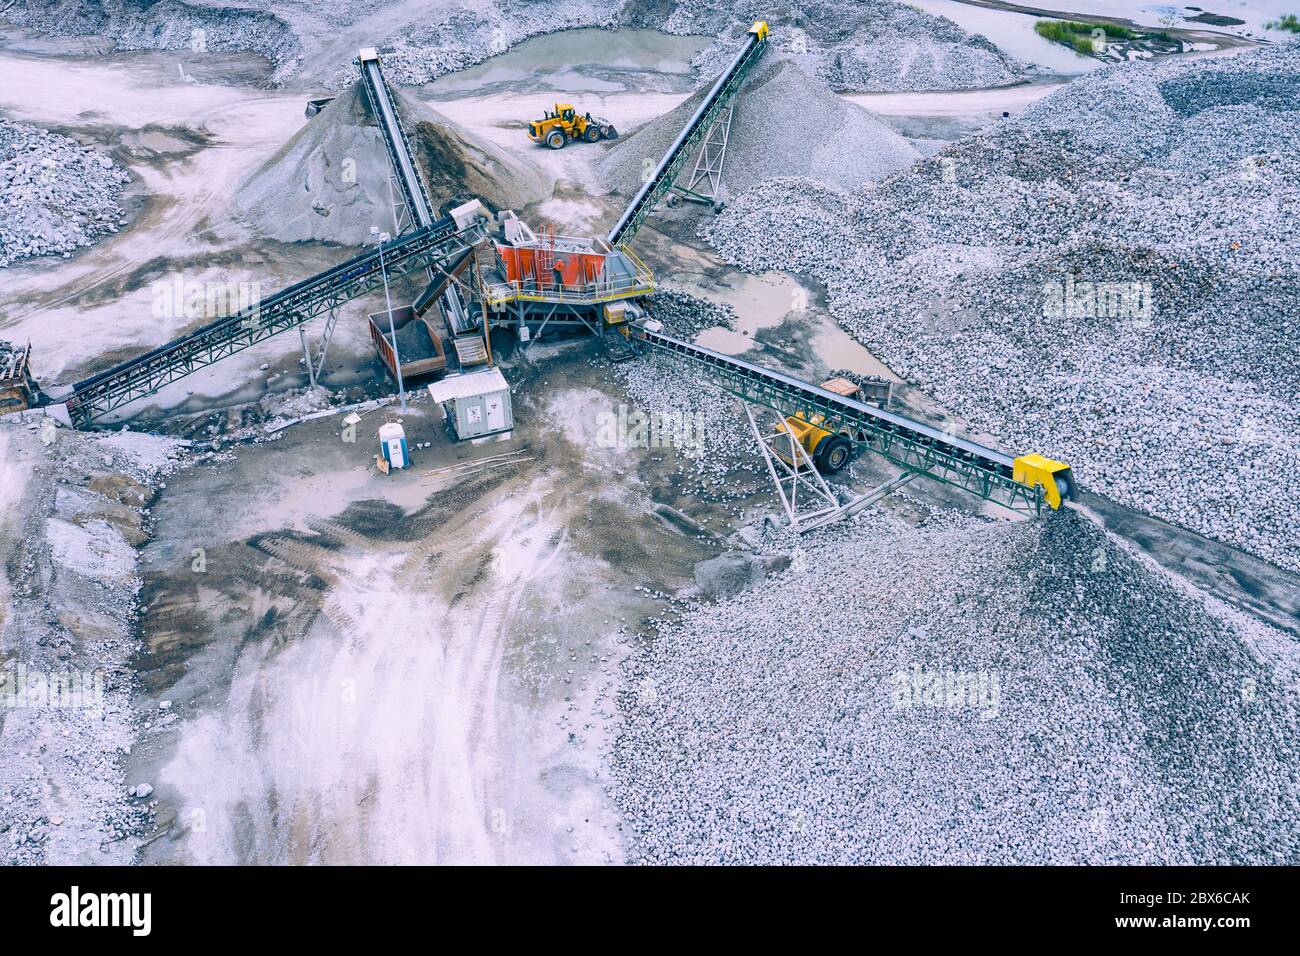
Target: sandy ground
{"points": [[393, 670]]}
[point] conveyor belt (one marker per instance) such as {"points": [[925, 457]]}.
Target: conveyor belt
{"points": [[443, 277], [145, 374], [914, 445], [399, 150], [684, 146]]}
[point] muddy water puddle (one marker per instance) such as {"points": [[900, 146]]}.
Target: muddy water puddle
{"points": [[765, 304]]}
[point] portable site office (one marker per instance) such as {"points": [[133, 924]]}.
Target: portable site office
{"points": [[477, 403]]}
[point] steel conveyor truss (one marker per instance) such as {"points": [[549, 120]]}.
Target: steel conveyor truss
{"points": [[719, 98], [407, 176], [299, 303], [915, 446]]}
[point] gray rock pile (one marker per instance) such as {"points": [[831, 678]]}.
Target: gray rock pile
{"points": [[685, 316], [1109, 280], [56, 195], [331, 180], [76, 507], [658, 383], [459, 35], [871, 46], [977, 692], [786, 123], [880, 45], [166, 25]]}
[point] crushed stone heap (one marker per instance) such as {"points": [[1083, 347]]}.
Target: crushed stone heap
{"points": [[1109, 279], [56, 195], [331, 180], [786, 123], [978, 692], [871, 46]]}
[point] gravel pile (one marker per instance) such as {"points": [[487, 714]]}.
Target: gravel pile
{"points": [[786, 124], [413, 342], [331, 180], [166, 25], [56, 195], [659, 383], [685, 316], [978, 692], [879, 45], [457, 36], [76, 507], [866, 46], [1109, 279]]}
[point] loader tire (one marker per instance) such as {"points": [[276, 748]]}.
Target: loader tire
{"points": [[593, 134], [833, 454], [555, 139]]}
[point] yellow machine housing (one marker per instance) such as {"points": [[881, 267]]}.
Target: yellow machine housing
{"points": [[807, 430], [1054, 477], [760, 28], [807, 433], [557, 127]]}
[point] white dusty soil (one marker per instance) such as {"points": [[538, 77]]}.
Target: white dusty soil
{"points": [[399, 670]]}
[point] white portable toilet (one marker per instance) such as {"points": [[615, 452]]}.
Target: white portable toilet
{"points": [[392, 442]]}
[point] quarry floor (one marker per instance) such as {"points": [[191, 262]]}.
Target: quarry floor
{"points": [[408, 669]]}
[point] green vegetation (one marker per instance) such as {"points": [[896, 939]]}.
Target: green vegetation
{"points": [[1289, 21], [1079, 35]]}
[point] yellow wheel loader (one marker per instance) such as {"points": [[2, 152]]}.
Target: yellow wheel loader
{"points": [[564, 123]]}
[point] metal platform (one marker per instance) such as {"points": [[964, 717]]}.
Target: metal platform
{"points": [[624, 276]]}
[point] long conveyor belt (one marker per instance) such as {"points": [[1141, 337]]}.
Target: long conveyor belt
{"points": [[399, 150], [918, 447], [692, 133], [443, 241]]}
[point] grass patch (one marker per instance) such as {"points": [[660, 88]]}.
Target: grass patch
{"points": [[1079, 35], [1289, 21]]}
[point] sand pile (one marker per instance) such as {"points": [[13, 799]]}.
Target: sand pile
{"points": [[330, 182], [786, 124]]}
